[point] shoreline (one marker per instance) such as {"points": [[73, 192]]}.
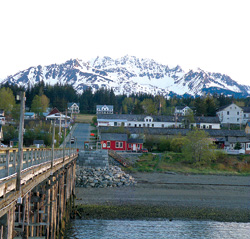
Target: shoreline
{"points": [[144, 212], [170, 196]]}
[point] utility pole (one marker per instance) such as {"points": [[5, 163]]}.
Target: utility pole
{"points": [[20, 142], [53, 144]]}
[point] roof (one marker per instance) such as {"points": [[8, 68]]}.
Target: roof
{"points": [[179, 131], [108, 106], [135, 141], [181, 107], [54, 111], [29, 113], [225, 106], [70, 104], [207, 119], [246, 109], [114, 136]]}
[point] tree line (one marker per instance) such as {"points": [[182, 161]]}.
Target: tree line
{"points": [[41, 95]]}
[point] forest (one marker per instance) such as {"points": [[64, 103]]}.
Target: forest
{"points": [[41, 96]]}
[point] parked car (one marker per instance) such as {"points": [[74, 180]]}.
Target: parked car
{"points": [[143, 151], [3, 146], [72, 140]]}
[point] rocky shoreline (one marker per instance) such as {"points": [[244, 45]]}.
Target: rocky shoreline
{"points": [[99, 177]]}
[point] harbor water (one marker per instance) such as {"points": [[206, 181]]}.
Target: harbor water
{"points": [[157, 229]]}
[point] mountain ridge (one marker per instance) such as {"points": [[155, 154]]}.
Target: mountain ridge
{"points": [[127, 75]]}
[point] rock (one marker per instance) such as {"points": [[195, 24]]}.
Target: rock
{"points": [[102, 177]]}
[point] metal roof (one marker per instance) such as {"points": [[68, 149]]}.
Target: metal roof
{"points": [[114, 136]]}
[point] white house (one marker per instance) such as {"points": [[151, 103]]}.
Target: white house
{"points": [[231, 114], [104, 109], [73, 108], [182, 110]]}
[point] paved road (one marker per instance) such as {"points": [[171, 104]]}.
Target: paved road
{"points": [[81, 133]]}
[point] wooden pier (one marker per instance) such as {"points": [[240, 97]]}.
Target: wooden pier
{"points": [[41, 207]]}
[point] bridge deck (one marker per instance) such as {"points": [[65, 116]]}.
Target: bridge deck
{"points": [[36, 168]]}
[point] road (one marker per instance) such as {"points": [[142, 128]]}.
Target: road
{"points": [[81, 133]]}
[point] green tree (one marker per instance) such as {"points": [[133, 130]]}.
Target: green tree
{"points": [[177, 144], [149, 107], [7, 101], [138, 109], [197, 147], [237, 146], [39, 104], [9, 132], [127, 105]]}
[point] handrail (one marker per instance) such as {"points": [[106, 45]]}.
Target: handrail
{"points": [[35, 161]]}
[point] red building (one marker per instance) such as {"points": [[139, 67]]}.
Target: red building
{"points": [[134, 144], [120, 142]]}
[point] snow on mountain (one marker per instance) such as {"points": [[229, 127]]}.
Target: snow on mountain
{"points": [[128, 75]]}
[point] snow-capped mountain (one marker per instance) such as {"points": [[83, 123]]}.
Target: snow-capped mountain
{"points": [[128, 75]]}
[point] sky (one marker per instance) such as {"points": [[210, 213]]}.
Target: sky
{"points": [[213, 35]]}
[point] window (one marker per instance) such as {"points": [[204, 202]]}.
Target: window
{"points": [[129, 145], [115, 123], [148, 125], [143, 125], [108, 144], [204, 126], [153, 125], [210, 126], [162, 125], [138, 146], [238, 113], [139, 125], [248, 146], [119, 144], [146, 120], [129, 124], [227, 112], [238, 119], [135, 125]]}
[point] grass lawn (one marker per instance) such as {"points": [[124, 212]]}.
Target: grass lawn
{"points": [[175, 162], [84, 118]]}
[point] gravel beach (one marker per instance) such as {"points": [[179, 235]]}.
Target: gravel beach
{"points": [[175, 190]]}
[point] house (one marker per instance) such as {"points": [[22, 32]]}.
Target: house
{"points": [[182, 110], [73, 108], [156, 121], [134, 144], [117, 142], [120, 142], [60, 119], [231, 114], [104, 109], [38, 143], [246, 114], [29, 115]]}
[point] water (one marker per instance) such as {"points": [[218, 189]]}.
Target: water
{"points": [[176, 229]]}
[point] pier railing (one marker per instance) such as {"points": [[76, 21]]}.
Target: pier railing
{"points": [[35, 161]]}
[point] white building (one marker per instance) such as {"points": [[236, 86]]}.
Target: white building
{"points": [[104, 109], [182, 110], [142, 121], [231, 114]]}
